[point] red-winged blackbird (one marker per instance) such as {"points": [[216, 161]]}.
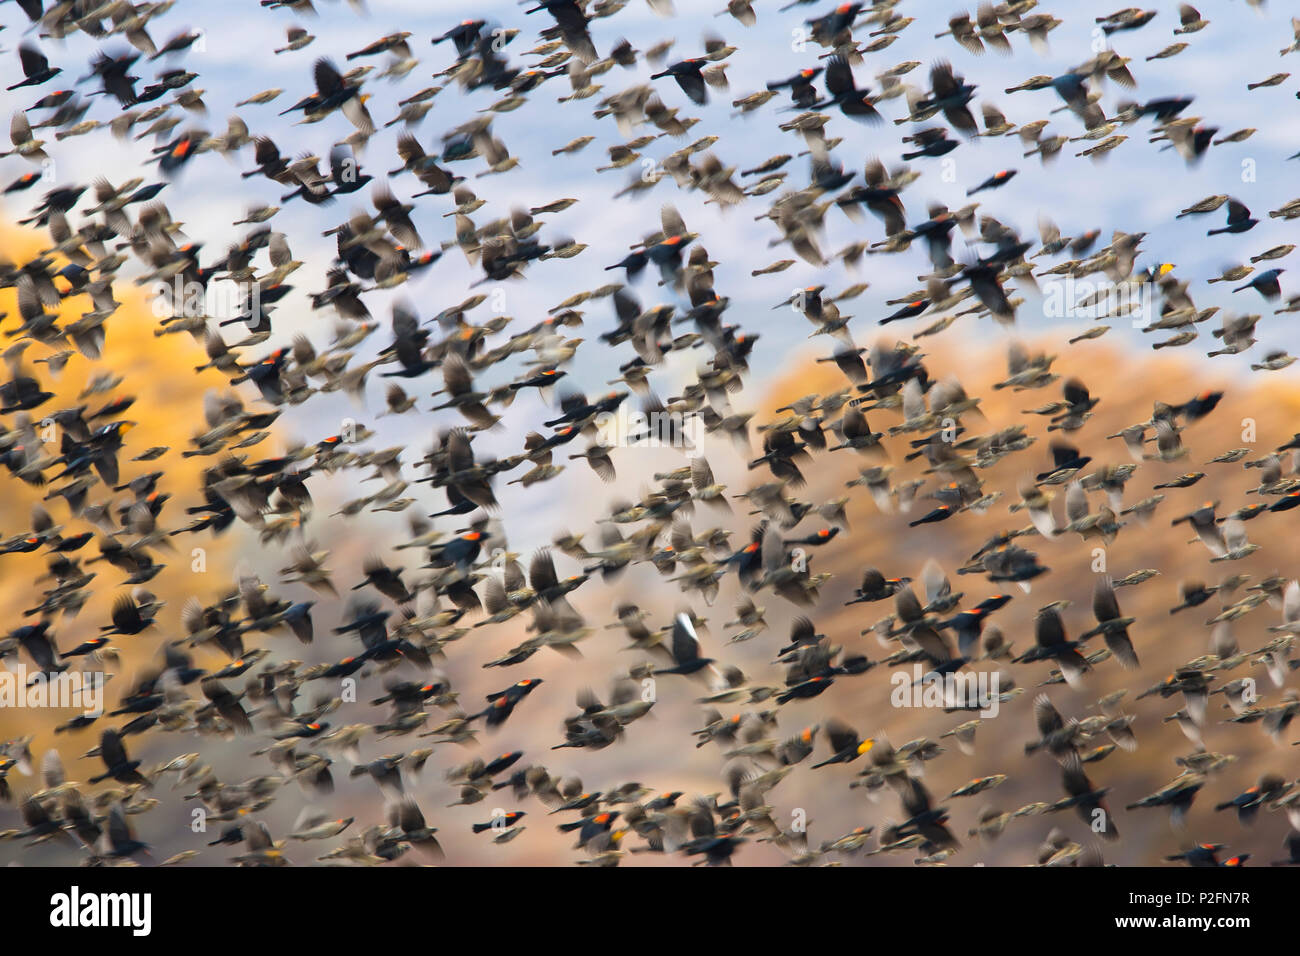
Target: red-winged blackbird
{"points": [[841, 18], [502, 703], [500, 822], [180, 151], [908, 311], [1207, 855], [25, 181], [876, 587], [1000, 178], [86, 647], [345, 667], [805, 689], [589, 827], [1248, 802], [800, 85], [817, 538], [941, 513], [503, 762]]}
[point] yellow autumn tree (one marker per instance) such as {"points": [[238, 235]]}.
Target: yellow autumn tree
{"points": [[159, 373]]}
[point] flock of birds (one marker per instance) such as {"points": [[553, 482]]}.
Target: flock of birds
{"points": [[225, 672]]}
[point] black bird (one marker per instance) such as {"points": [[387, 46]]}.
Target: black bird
{"points": [[119, 767], [685, 649], [1200, 405], [1239, 219], [1249, 802], [500, 822], [804, 690], [935, 515], [932, 141], [1052, 644], [1086, 799], [464, 36], [334, 93], [689, 76], [950, 93], [572, 22], [1000, 178], [25, 181], [716, 847], [844, 93], [1207, 855], [36, 68], [1266, 283], [180, 151], [227, 705], [502, 703], [879, 196], [968, 625], [119, 841], [129, 617], [802, 91], [39, 823], [1067, 461], [36, 640], [909, 310], [1111, 625], [846, 745], [839, 19], [114, 76], [924, 819], [406, 816], [86, 647]]}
